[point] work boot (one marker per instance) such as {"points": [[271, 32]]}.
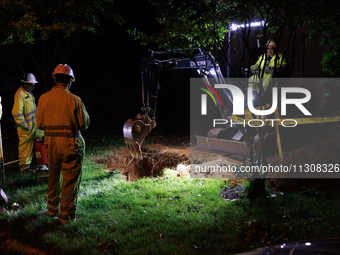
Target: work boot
{"points": [[29, 171]]}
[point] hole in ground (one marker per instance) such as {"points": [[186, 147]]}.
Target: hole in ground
{"points": [[156, 158]]}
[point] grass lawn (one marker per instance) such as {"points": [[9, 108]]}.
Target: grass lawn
{"points": [[160, 215]]}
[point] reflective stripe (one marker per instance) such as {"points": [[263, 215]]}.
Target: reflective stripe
{"points": [[27, 118], [56, 203], [24, 115], [60, 131], [33, 118], [60, 127], [18, 115], [52, 212], [68, 209], [22, 123], [61, 134], [30, 113]]}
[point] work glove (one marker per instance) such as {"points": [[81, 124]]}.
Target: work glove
{"points": [[254, 70], [269, 69]]}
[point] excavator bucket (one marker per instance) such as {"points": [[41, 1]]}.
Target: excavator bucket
{"points": [[229, 141], [134, 131]]}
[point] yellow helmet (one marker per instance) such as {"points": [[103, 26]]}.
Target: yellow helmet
{"points": [[64, 69]]}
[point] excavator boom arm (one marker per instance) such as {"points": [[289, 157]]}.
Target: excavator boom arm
{"points": [[136, 129]]}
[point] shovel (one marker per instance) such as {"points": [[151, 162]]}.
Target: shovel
{"points": [[3, 194]]}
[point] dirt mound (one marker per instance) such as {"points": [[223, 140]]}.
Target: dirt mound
{"points": [[318, 144]]}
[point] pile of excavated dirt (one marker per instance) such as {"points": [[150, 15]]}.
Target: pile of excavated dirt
{"points": [[315, 144], [318, 144]]}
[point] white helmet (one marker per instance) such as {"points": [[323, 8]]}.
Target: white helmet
{"points": [[28, 78], [272, 42], [64, 69]]}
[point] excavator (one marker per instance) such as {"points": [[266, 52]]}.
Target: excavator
{"points": [[153, 63]]}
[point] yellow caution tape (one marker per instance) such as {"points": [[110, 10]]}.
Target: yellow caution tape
{"points": [[317, 120], [287, 122], [247, 114]]}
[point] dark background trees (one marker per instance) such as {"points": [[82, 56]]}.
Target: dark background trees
{"points": [[37, 35], [91, 37]]}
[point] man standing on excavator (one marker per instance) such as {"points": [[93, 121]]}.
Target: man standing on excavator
{"points": [[62, 116], [24, 113], [266, 64]]}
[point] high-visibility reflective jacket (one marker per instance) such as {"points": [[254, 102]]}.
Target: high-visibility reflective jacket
{"points": [[62, 116], [0, 118], [24, 108], [24, 114], [263, 63]]}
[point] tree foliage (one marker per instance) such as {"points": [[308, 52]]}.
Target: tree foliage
{"points": [[204, 22], [185, 24], [324, 19], [35, 35]]}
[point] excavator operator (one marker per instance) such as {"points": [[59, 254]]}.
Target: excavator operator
{"points": [[266, 64]]}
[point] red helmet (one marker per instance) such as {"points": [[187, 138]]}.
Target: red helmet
{"points": [[64, 69]]}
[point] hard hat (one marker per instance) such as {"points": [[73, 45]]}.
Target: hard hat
{"points": [[28, 78], [272, 42], [64, 69]]}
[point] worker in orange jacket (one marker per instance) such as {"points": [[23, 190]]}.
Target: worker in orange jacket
{"points": [[24, 113], [62, 116]]}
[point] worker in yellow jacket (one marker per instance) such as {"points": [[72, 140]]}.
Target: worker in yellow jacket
{"points": [[0, 118], [265, 65], [24, 113], [0, 108], [62, 116]]}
